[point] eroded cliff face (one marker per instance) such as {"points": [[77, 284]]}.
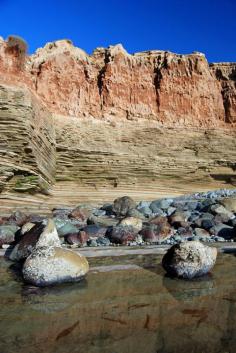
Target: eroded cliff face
{"points": [[149, 120], [173, 89], [156, 85], [226, 74]]}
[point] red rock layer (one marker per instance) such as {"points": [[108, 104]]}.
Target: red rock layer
{"points": [[179, 90]]}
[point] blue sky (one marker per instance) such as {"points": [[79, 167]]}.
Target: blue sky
{"points": [[180, 26]]}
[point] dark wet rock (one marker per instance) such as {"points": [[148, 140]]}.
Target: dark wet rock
{"points": [[189, 259], [51, 265], [123, 205], [94, 231], [7, 233], [38, 236], [108, 208], [122, 235], [207, 224], [223, 231]]}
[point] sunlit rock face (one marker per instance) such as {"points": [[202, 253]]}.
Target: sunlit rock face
{"points": [[226, 74], [162, 86], [153, 119]]}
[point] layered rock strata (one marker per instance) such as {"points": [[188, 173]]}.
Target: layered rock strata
{"points": [[149, 119], [27, 140]]}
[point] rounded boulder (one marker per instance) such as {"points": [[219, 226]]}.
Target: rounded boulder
{"points": [[189, 259], [52, 265]]}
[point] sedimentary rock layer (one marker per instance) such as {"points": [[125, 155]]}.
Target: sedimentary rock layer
{"points": [[27, 140], [143, 153], [149, 119]]}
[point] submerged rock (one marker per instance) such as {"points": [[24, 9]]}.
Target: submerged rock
{"points": [[52, 265], [189, 259]]}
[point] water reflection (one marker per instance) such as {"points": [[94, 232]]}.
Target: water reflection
{"points": [[128, 311], [186, 290]]}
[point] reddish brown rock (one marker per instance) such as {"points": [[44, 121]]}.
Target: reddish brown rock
{"points": [[226, 75], [77, 238], [158, 85], [156, 233]]}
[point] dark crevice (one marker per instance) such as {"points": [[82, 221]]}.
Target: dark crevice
{"points": [[101, 75], [161, 63], [38, 74]]}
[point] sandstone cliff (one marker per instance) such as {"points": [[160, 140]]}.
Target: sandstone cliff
{"points": [[148, 120]]}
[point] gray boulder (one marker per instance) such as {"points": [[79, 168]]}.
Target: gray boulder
{"points": [[123, 205], [189, 259]]}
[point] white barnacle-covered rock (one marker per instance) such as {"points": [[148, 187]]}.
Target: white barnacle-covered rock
{"points": [[189, 259], [52, 265]]}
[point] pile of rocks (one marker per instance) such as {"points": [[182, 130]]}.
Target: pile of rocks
{"points": [[40, 244], [208, 217]]}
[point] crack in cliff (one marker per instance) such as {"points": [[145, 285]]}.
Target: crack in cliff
{"points": [[161, 63], [39, 71], [101, 75]]}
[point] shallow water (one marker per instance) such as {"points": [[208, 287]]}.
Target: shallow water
{"points": [[129, 309]]}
